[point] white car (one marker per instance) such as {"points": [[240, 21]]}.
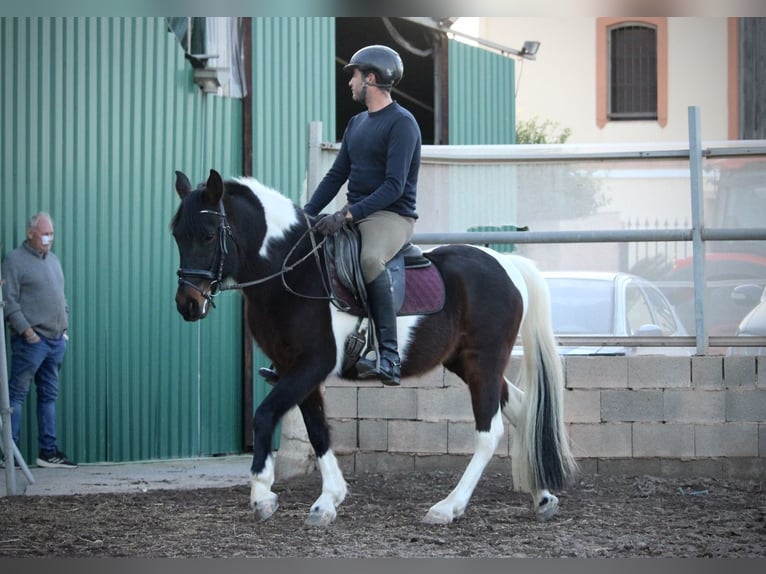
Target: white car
{"points": [[585, 303]]}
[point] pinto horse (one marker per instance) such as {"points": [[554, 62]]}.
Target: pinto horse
{"points": [[241, 234]]}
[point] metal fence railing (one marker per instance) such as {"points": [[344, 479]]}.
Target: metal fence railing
{"points": [[695, 235]]}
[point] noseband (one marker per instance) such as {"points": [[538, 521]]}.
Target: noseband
{"points": [[214, 287]]}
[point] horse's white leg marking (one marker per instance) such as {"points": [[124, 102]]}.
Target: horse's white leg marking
{"points": [[515, 403], [545, 504], [334, 491], [262, 500], [445, 511]]}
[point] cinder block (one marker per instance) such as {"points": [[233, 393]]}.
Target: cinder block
{"points": [[707, 372], [708, 467], [582, 406], [760, 367], [432, 379], [745, 468], [690, 405], [656, 371], [340, 402], [373, 434], [726, 439], [596, 372], [738, 372], [629, 406], [429, 462], [343, 434], [628, 466], [663, 440], [383, 462], [601, 440], [388, 403], [746, 405], [452, 380], [450, 404], [461, 439], [417, 436]]}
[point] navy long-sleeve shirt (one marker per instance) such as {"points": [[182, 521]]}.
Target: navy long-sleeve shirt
{"points": [[380, 158]]}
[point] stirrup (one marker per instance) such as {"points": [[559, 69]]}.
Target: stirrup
{"points": [[368, 369], [270, 375]]}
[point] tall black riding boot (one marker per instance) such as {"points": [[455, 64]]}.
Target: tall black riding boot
{"points": [[380, 298]]}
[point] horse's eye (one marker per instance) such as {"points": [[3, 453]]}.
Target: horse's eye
{"points": [[209, 237]]}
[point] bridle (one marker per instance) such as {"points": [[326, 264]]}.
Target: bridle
{"points": [[216, 286]]}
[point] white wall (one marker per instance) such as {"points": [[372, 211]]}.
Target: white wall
{"points": [[560, 84]]}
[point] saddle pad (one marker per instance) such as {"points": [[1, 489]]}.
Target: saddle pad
{"points": [[424, 293]]}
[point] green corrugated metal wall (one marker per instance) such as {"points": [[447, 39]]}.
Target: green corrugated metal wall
{"points": [[482, 106], [293, 84], [95, 116]]}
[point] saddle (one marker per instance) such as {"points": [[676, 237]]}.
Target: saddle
{"points": [[417, 283]]}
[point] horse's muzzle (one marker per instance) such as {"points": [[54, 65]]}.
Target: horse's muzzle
{"points": [[191, 303]]}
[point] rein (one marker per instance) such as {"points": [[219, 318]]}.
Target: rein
{"points": [[224, 232]]}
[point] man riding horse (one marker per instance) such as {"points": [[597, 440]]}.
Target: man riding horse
{"points": [[380, 159]]}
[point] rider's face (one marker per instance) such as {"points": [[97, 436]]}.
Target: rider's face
{"points": [[358, 87]]}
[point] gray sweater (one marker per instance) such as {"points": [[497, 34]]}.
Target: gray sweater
{"points": [[33, 292]]}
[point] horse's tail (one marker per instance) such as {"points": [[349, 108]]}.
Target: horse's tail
{"points": [[541, 455]]}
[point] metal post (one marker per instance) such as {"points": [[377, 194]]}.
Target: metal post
{"points": [[698, 222], [313, 177], [10, 450]]}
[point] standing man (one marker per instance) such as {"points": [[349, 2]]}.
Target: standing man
{"points": [[37, 313], [380, 158]]}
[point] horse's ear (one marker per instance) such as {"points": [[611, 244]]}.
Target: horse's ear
{"points": [[183, 185], [214, 188]]}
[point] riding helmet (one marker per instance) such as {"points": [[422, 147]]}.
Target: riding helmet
{"points": [[385, 62]]}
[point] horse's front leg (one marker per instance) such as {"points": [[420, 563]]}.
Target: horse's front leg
{"points": [[334, 489], [262, 500]]}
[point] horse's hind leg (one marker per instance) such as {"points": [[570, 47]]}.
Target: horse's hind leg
{"points": [[544, 503], [334, 489], [445, 511]]}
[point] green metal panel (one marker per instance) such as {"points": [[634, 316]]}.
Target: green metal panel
{"points": [[294, 84], [95, 116], [481, 94], [293, 75]]}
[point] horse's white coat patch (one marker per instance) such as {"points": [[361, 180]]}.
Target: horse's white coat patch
{"points": [[343, 324], [279, 210]]}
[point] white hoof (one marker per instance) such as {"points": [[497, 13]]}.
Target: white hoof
{"points": [[547, 507], [264, 509], [439, 514], [320, 516]]}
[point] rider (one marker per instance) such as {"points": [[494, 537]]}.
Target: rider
{"points": [[380, 159]]}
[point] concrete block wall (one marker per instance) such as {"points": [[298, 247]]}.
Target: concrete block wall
{"points": [[660, 415]]}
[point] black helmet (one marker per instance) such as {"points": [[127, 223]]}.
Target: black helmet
{"points": [[382, 60]]}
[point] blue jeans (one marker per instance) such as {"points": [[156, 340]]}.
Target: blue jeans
{"points": [[40, 361]]}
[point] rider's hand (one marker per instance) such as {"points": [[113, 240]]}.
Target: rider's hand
{"points": [[331, 224]]}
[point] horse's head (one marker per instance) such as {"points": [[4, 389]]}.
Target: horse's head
{"points": [[202, 234]]}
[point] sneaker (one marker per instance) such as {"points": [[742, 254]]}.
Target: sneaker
{"points": [[55, 460]]}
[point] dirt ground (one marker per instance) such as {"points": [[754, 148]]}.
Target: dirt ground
{"points": [[612, 517]]}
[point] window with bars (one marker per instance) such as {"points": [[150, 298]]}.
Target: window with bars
{"points": [[633, 73]]}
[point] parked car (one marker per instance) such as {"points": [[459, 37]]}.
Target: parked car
{"points": [[754, 323], [611, 304]]}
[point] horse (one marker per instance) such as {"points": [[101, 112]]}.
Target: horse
{"points": [[241, 234]]}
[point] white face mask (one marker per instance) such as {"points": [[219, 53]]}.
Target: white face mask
{"points": [[46, 239]]}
